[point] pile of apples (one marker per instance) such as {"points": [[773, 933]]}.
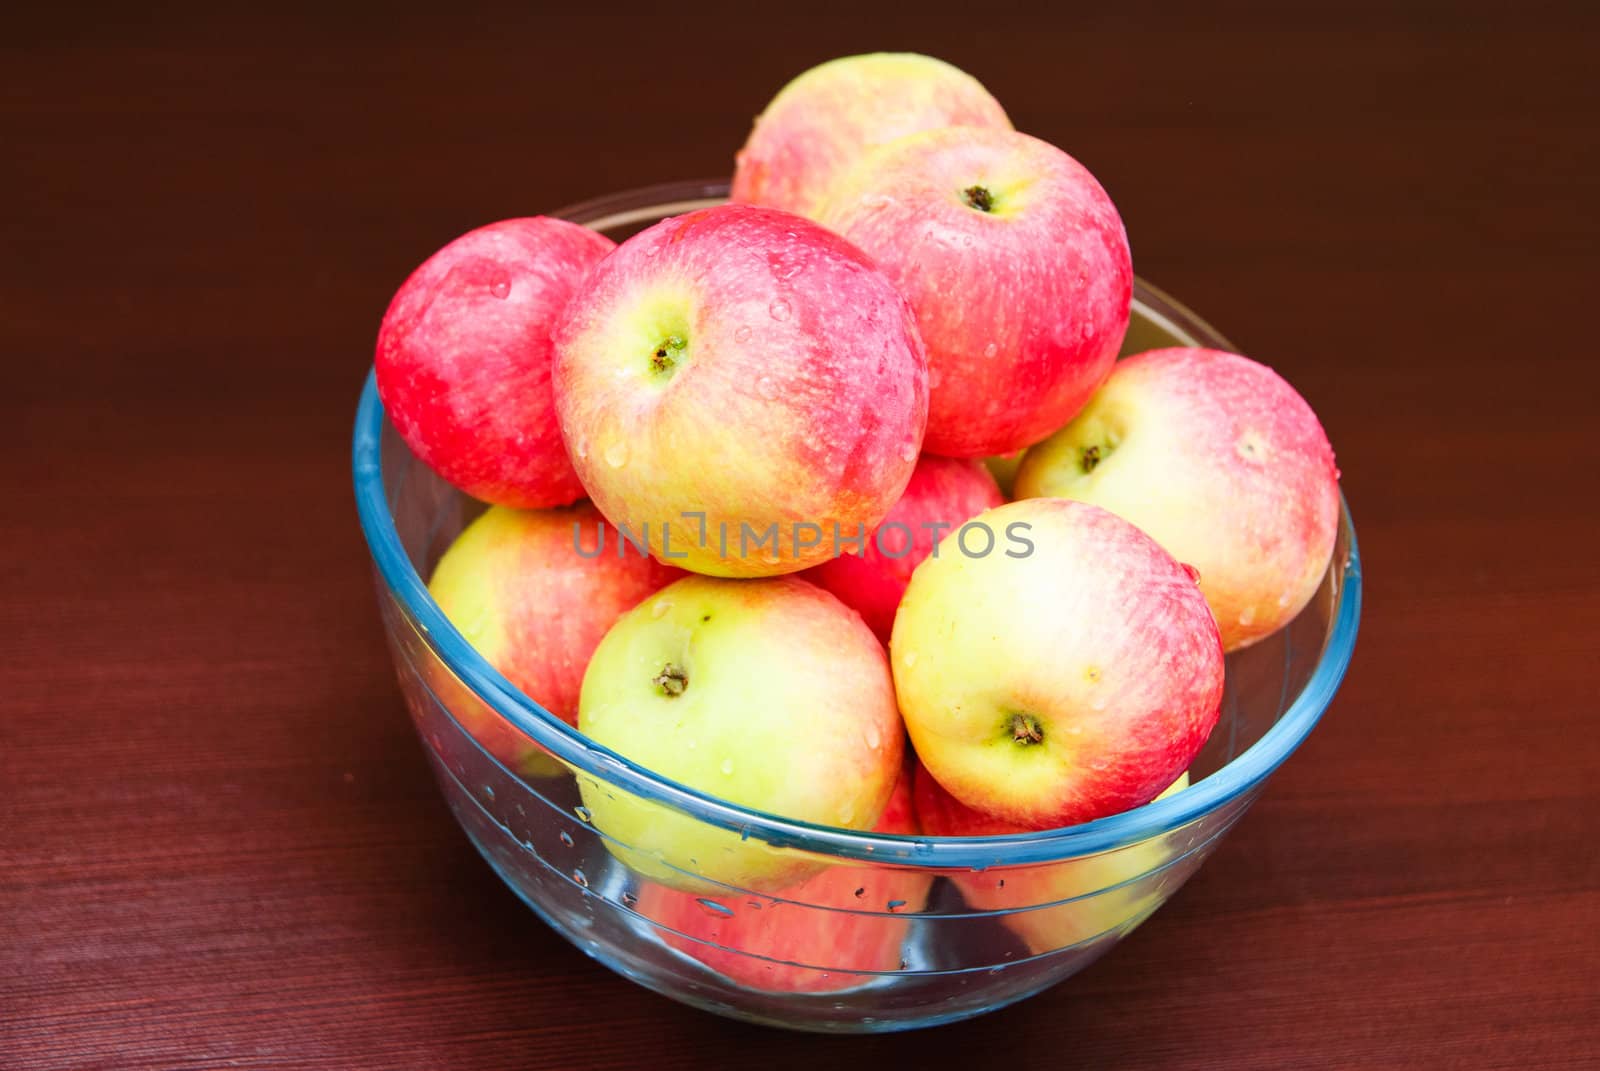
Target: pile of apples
{"points": [[742, 529]]}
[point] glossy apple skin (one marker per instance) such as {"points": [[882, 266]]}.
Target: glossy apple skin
{"points": [[516, 587], [749, 367], [947, 491], [1022, 307], [1069, 684], [463, 359], [786, 706], [822, 122], [1108, 893], [791, 944], [1223, 463]]}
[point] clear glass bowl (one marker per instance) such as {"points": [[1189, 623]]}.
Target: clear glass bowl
{"points": [[895, 932]]}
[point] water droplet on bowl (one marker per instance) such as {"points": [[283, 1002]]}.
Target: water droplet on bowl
{"points": [[629, 900], [712, 907], [578, 876], [488, 792], [566, 838], [779, 310], [583, 813], [896, 905], [617, 454]]}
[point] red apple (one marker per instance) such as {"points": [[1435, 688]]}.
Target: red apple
{"points": [[534, 591], [1057, 905], [942, 495], [822, 122], [793, 944], [1017, 265], [1222, 462], [737, 386], [463, 359], [1071, 675]]}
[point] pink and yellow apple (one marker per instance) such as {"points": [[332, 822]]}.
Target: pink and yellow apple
{"points": [[739, 384], [1219, 460], [1106, 893], [1051, 686], [771, 694], [1017, 264], [943, 494], [534, 591], [463, 361], [822, 122], [818, 937]]}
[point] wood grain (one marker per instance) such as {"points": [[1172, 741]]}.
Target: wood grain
{"points": [[219, 844]]}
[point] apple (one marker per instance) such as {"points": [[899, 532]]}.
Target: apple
{"points": [[738, 388], [534, 591], [1222, 462], [1003, 467], [1105, 893], [943, 494], [771, 694], [818, 937], [822, 122], [1071, 675], [1017, 265], [463, 361]]}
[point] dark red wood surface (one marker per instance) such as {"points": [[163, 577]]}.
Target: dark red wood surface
{"points": [[219, 844]]}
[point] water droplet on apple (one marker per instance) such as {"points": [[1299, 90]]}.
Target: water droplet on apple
{"points": [[966, 241], [660, 608], [500, 287], [770, 559], [712, 907], [566, 838], [617, 454], [876, 202], [690, 745], [578, 876], [583, 813], [874, 740], [1283, 601], [767, 387], [934, 377], [990, 350], [743, 333], [908, 452], [779, 310], [1194, 574], [1247, 616], [581, 449], [908, 659], [727, 767]]}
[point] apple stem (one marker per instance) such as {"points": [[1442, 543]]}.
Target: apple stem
{"points": [[1026, 730], [671, 681], [1091, 458], [666, 354], [978, 197]]}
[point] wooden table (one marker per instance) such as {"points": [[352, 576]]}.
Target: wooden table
{"points": [[219, 843]]}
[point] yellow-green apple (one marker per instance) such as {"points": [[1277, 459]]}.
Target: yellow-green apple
{"points": [[1003, 467], [1222, 462], [736, 386], [534, 591], [1105, 893], [1071, 676], [767, 693], [463, 361], [1017, 264], [822, 122], [818, 937], [944, 493]]}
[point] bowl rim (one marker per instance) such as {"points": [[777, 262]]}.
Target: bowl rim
{"points": [[1232, 781]]}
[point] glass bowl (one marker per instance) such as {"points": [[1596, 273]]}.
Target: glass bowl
{"points": [[892, 932]]}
